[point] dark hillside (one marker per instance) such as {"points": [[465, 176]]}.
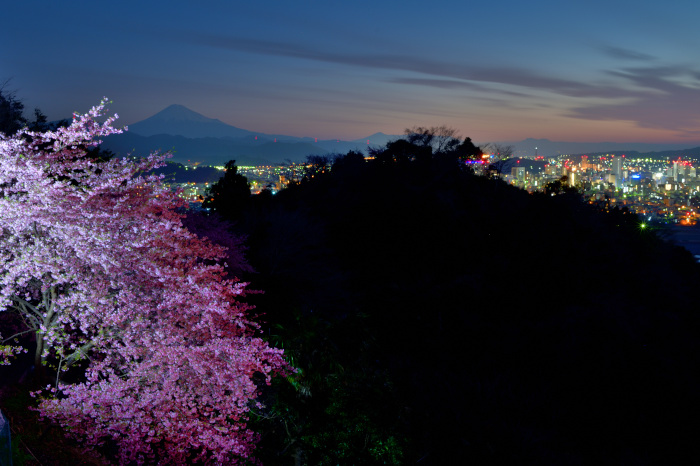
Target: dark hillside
{"points": [[450, 317]]}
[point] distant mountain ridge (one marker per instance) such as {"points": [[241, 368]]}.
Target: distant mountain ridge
{"points": [[195, 138], [529, 147]]}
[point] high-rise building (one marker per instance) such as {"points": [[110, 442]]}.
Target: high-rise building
{"points": [[574, 178], [617, 170], [617, 166], [518, 173], [675, 170], [585, 164]]}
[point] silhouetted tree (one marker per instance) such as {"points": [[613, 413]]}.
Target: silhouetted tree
{"points": [[560, 186], [441, 139], [11, 111], [316, 165], [402, 151], [498, 150], [502, 153], [467, 150], [12, 117], [230, 194], [41, 124], [351, 162]]}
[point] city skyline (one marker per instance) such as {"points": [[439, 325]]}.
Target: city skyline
{"points": [[598, 71]]}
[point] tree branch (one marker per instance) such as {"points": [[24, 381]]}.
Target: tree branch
{"points": [[26, 304], [17, 334]]}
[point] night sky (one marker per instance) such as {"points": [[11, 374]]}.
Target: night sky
{"points": [[599, 70]]}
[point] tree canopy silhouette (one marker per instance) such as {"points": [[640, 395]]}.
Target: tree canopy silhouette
{"points": [[498, 326], [11, 111], [229, 196]]}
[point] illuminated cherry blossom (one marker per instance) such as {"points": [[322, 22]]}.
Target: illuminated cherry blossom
{"points": [[95, 258]]}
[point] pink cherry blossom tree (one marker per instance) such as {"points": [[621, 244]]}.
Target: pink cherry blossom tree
{"points": [[95, 259]]}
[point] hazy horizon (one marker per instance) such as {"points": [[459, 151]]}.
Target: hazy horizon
{"points": [[690, 144]]}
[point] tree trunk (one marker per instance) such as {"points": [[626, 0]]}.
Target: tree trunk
{"points": [[39, 349], [298, 456]]}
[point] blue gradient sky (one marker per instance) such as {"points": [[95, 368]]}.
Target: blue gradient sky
{"points": [[498, 71]]}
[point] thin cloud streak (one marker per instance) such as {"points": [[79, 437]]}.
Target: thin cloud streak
{"points": [[654, 100], [667, 104], [453, 84], [625, 54], [496, 75]]}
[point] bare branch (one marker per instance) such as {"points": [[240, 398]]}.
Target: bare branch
{"points": [[17, 334]]}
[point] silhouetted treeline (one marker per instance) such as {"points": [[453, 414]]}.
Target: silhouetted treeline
{"points": [[446, 318]]}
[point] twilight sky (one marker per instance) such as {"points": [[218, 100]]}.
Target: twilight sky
{"points": [[504, 70]]}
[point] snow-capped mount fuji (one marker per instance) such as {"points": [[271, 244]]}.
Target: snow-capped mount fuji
{"points": [[178, 120]]}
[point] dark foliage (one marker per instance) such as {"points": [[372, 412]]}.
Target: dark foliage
{"points": [[11, 112], [12, 117], [465, 320], [230, 195], [316, 165]]}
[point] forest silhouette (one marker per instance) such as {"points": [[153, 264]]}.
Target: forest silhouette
{"points": [[440, 316]]}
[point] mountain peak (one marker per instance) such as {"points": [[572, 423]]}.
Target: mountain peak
{"points": [[179, 112], [178, 120]]}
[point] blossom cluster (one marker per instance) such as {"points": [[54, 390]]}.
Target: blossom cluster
{"points": [[96, 255]]}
